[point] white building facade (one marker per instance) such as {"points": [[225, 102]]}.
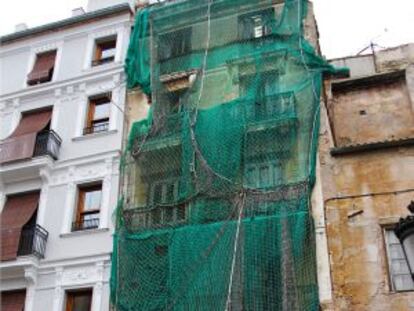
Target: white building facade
{"points": [[62, 99]]}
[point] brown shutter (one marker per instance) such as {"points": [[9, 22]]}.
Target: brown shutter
{"points": [[42, 68], [21, 143], [13, 301], [16, 213]]}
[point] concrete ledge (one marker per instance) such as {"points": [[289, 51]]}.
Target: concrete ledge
{"points": [[374, 146], [90, 136], [83, 232]]}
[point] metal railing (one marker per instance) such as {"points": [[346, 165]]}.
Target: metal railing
{"points": [[102, 61], [96, 128], [85, 224], [47, 143], [33, 241]]}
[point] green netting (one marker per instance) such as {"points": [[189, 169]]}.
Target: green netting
{"points": [[217, 179]]}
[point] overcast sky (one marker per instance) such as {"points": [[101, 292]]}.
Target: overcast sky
{"points": [[345, 26]]}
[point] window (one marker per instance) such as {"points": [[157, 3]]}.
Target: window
{"points": [[79, 300], [175, 44], [261, 85], [88, 207], [400, 277], [255, 25], [105, 49], [98, 114], [263, 175], [43, 68], [166, 193]]}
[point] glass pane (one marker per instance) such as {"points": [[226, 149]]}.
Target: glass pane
{"points": [[156, 216], [264, 176], [168, 215], [403, 282], [251, 177], [82, 302], [101, 111], [170, 193], [396, 251], [157, 194], [108, 53], [93, 200], [277, 175], [181, 213]]}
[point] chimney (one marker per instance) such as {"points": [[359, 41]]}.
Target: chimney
{"points": [[78, 11], [20, 27]]}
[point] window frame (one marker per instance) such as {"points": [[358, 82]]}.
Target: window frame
{"points": [[91, 124], [72, 293], [97, 59], [175, 44], [161, 210], [390, 274], [271, 168], [80, 213], [251, 18], [52, 71]]}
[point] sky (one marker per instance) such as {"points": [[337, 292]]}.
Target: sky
{"points": [[345, 26]]}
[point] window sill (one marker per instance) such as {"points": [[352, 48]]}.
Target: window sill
{"points": [[100, 67], [94, 135], [83, 232]]}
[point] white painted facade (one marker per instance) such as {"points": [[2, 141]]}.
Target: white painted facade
{"points": [[81, 259]]}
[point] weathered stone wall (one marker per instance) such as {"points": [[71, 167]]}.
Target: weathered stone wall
{"points": [[363, 193], [358, 114]]}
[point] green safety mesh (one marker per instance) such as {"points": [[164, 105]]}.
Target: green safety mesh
{"points": [[218, 178]]}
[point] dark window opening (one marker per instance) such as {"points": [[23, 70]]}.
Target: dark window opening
{"points": [[256, 25], [105, 50], [175, 44]]}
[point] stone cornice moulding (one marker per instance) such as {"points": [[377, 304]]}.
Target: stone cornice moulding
{"points": [[44, 89], [45, 47], [49, 267], [24, 45], [30, 274]]}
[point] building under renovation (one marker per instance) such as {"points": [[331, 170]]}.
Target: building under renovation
{"points": [[216, 212]]}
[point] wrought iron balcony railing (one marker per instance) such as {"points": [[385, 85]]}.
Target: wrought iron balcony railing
{"points": [[47, 143], [33, 241], [85, 224], [96, 128], [102, 61]]}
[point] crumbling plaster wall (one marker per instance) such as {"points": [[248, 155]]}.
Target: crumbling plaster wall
{"points": [[358, 114], [365, 192]]}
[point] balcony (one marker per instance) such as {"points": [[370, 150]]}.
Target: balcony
{"points": [[166, 135], [45, 150], [47, 144], [272, 127], [33, 242]]}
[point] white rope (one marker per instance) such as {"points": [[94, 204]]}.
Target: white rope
{"points": [[235, 248]]}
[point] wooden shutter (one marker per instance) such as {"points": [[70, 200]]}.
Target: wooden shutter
{"points": [[42, 69], [13, 300], [21, 143], [16, 213]]}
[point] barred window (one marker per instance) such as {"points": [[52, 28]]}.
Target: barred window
{"points": [[398, 267]]}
